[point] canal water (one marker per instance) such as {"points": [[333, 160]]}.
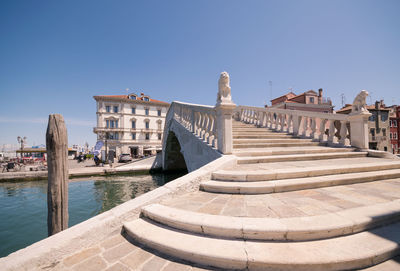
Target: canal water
{"points": [[23, 205]]}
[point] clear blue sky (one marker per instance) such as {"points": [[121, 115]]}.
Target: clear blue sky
{"points": [[56, 55]]}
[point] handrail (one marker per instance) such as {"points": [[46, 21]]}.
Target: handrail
{"points": [[341, 129]]}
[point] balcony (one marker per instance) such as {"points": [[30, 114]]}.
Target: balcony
{"points": [[104, 129]]}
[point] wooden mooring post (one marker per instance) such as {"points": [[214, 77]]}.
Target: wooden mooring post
{"points": [[57, 163]]}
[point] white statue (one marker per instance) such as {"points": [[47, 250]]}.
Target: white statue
{"points": [[224, 90], [360, 104]]}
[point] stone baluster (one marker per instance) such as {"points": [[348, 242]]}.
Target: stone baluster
{"points": [[331, 137], [283, 120], [305, 126], [296, 125], [343, 132], [290, 124], [313, 127], [213, 132], [192, 122], [322, 128], [270, 120], [209, 129]]}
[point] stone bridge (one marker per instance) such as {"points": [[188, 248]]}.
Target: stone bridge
{"points": [[267, 189]]}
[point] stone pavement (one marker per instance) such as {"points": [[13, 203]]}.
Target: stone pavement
{"points": [[306, 212]]}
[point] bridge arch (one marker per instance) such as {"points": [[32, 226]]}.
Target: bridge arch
{"points": [[174, 159], [182, 148]]}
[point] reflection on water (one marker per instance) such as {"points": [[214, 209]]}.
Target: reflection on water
{"points": [[23, 205]]}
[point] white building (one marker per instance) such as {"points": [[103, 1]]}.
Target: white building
{"points": [[132, 124]]}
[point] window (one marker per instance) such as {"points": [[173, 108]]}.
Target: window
{"points": [[159, 112], [133, 136], [395, 135], [159, 123], [312, 100], [146, 99], [115, 109], [372, 131], [146, 111], [391, 135], [147, 124], [372, 117], [147, 135], [159, 136], [395, 123], [390, 123], [385, 148], [132, 97], [133, 124], [133, 110], [108, 108], [112, 123], [384, 116], [384, 131], [113, 136]]}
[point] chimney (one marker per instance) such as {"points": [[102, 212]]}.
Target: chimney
{"points": [[141, 94], [320, 96], [377, 105]]}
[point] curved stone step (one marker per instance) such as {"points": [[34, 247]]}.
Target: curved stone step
{"points": [[286, 185], [270, 140], [250, 129], [299, 157], [280, 229], [266, 145], [354, 251], [284, 173], [261, 136], [286, 151]]}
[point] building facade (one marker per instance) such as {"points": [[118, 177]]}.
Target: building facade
{"points": [[378, 125], [130, 123], [307, 101], [394, 123]]}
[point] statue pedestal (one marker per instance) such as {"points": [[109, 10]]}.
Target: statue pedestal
{"points": [[359, 136], [224, 113]]}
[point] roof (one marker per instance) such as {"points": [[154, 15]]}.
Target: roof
{"points": [[347, 109], [285, 95], [126, 97]]}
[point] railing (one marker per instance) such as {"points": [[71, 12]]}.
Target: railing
{"points": [[214, 124], [198, 119], [325, 127]]}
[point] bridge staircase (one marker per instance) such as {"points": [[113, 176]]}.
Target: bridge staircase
{"points": [[289, 203]]}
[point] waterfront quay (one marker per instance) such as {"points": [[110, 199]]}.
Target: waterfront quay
{"points": [[85, 168]]}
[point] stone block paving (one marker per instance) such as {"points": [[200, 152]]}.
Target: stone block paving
{"points": [[120, 253], [300, 203]]}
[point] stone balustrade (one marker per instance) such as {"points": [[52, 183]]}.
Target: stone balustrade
{"points": [[198, 119], [325, 127]]}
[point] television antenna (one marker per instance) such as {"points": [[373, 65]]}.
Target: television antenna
{"points": [[343, 98], [270, 89]]}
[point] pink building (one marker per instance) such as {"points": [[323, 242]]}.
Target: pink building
{"points": [[307, 101]]}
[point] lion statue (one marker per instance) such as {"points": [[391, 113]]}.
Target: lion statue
{"points": [[359, 104], [224, 90]]}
